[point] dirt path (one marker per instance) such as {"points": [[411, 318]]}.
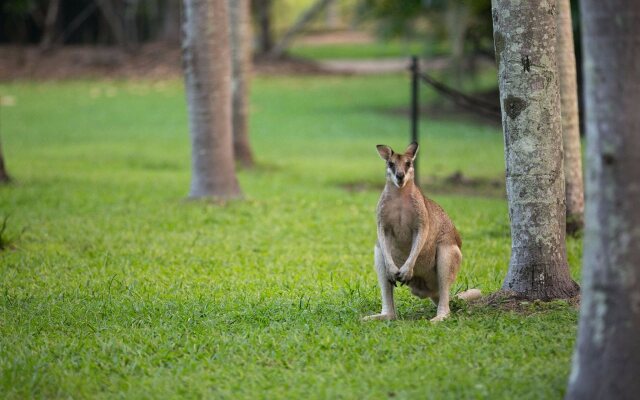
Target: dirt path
{"points": [[155, 61], [379, 66]]}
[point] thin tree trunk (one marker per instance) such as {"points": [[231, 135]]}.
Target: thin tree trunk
{"points": [[524, 35], [4, 175], [574, 187], [307, 16], [114, 21], [207, 69], [457, 18], [332, 20], [606, 363], [130, 23], [171, 22], [265, 40], [241, 65], [50, 25]]}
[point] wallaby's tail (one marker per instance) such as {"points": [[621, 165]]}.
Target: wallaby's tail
{"points": [[470, 295]]}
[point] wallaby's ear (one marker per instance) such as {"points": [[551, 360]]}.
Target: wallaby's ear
{"points": [[412, 150], [385, 151]]}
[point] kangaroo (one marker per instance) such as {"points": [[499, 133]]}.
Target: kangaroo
{"points": [[415, 233]]}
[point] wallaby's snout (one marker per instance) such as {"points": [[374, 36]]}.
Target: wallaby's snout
{"points": [[399, 166]]}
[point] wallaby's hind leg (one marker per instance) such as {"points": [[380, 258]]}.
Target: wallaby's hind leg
{"points": [[448, 262], [388, 308]]}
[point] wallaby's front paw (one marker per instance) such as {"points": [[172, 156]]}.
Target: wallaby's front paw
{"points": [[392, 275], [380, 317], [405, 274]]}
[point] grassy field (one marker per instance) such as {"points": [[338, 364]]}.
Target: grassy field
{"points": [[374, 50], [114, 286]]}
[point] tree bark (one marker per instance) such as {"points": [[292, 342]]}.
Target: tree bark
{"points": [[171, 22], [565, 53], [4, 175], [265, 40], [307, 16], [525, 35], [457, 19], [207, 70], [50, 25], [115, 23], [130, 23], [332, 20], [240, 18], [606, 363]]}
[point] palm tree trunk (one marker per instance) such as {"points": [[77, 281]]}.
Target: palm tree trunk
{"points": [[264, 11], [524, 34], [574, 187], [50, 25], [114, 22], [207, 70], [241, 64], [170, 28], [606, 363], [457, 19]]}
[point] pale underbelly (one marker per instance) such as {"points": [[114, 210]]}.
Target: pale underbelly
{"points": [[425, 262]]}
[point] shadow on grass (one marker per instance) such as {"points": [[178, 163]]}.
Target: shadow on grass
{"points": [[8, 241]]}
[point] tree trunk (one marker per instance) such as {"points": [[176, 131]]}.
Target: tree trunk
{"points": [[606, 363], [171, 22], [115, 23], [265, 40], [207, 70], [457, 19], [130, 22], [332, 20], [241, 65], [524, 35], [307, 16], [565, 53], [50, 25]]}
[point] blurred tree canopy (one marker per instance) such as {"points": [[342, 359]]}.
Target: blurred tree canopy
{"points": [[90, 21], [428, 19]]}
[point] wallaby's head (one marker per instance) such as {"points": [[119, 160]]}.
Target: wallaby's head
{"points": [[399, 166]]}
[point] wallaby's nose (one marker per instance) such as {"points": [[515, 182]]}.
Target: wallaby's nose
{"points": [[400, 176]]}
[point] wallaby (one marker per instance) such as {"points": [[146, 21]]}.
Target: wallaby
{"points": [[416, 234]]}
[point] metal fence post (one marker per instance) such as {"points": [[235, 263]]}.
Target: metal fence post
{"points": [[415, 71]]}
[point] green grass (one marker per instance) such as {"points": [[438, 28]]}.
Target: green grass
{"points": [[116, 287], [378, 49]]}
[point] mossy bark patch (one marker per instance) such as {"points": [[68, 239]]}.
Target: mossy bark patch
{"points": [[513, 106]]}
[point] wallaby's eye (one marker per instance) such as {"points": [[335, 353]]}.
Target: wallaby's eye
{"points": [[408, 164], [391, 164]]}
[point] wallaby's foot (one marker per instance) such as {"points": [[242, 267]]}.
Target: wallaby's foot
{"points": [[380, 317], [405, 274], [440, 317]]}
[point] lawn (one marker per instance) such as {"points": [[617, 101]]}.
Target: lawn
{"points": [[115, 286], [373, 50]]}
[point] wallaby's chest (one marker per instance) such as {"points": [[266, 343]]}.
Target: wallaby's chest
{"points": [[398, 218]]}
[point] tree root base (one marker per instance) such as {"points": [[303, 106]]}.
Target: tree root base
{"points": [[508, 300]]}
